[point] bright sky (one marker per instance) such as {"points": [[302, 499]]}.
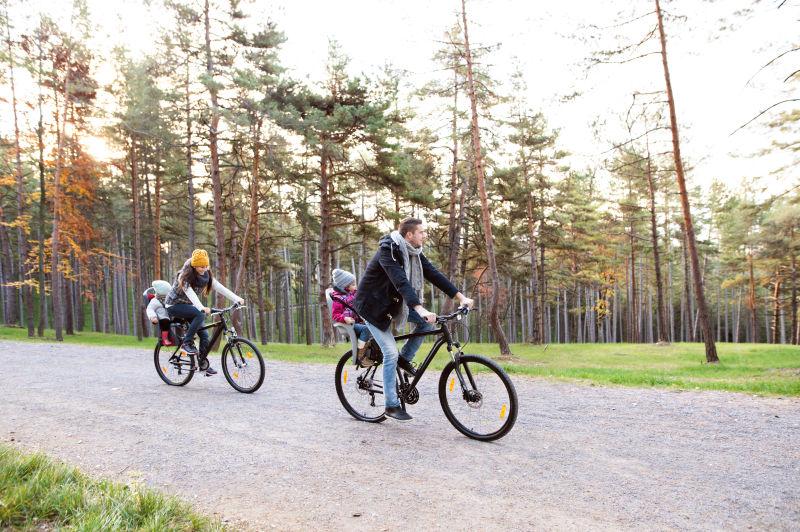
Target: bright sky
{"points": [[550, 41]]}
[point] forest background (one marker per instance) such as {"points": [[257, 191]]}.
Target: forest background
{"points": [[548, 168]]}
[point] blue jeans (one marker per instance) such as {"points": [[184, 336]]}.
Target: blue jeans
{"points": [[411, 346], [196, 319], [388, 345], [362, 331]]}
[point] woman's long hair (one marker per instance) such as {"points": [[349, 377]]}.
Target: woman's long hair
{"points": [[189, 276]]}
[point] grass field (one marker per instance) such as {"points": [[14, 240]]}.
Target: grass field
{"points": [[37, 493], [751, 368]]}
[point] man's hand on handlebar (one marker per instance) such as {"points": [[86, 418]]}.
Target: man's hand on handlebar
{"points": [[430, 317], [464, 301]]}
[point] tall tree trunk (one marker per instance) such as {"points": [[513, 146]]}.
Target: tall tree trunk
{"points": [[138, 316], [708, 336], [794, 287], [262, 314], [56, 290], [751, 300], [457, 199], [661, 310], [10, 307], [535, 332], [22, 222], [306, 284], [42, 199], [328, 338], [157, 226], [213, 139], [494, 318], [189, 179], [253, 217]]}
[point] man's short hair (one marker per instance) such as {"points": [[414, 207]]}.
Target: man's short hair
{"points": [[408, 226]]}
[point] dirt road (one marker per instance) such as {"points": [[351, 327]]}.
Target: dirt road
{"points": [[289, 457]]}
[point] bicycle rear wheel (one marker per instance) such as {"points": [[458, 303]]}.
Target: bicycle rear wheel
{"points": [[360, 389], [172, 365], [243, 365], [485, 407]]}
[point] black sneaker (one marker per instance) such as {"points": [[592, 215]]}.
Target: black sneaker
{"points": [[210, 371], [406, 366], [396, 412], [189, 348]]}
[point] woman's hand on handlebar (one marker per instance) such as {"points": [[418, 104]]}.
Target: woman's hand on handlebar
{"points": [[207, 310]]}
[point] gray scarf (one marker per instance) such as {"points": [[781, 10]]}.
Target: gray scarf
{"points": [[413, 267]]}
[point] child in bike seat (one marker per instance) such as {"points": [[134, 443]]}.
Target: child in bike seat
{"points": [[156, 312], [342, 296]]}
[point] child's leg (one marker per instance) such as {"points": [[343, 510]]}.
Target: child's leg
{"points": [[163, 324], [362, 332]]}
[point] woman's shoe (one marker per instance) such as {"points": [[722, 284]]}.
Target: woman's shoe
{"points": [[188, 348]]}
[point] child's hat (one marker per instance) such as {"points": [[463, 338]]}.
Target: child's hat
{"points": [[342, 279], [162, 288]]}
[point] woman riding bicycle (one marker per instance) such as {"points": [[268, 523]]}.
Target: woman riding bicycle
{"points": [[183, 302]]}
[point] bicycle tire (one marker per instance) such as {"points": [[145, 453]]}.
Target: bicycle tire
{"points": [[495, 392], [241, 362], [167, 367], [350, 383]]}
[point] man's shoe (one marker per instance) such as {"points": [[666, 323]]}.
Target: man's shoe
{"points": [[406, 366], [189, 348], [210, 371], [396, 412]]}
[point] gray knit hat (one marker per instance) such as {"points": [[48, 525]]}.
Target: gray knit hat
{"points": [[342, 279]]}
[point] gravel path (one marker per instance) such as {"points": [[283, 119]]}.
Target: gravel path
{"points": [[289, 457]]}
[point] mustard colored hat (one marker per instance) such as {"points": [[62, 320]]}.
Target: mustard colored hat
{"points": [[200, 258]]}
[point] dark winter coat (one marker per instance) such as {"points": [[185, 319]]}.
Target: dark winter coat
{"points": [[384, 285]]}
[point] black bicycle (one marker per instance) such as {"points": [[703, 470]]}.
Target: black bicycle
{"points": [[476, 394], [242, 363]]}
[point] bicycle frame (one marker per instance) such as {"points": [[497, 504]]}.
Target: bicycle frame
{"points": [[219, 327], [445, 338]]}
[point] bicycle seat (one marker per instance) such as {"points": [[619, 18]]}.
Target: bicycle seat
{"points": [[344, 328]]}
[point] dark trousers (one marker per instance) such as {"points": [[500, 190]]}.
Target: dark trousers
{"points": [[196, 319]]}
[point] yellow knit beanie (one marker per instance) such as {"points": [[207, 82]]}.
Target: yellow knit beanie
{"points": [[200, 258]]}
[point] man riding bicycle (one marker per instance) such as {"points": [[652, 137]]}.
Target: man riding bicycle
{"points": [[395, 275]]}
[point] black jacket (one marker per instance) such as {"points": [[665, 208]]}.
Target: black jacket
{"points": [[384, 284]]}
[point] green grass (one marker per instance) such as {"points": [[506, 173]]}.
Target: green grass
{"points": [[750, 368], [39, 493]]}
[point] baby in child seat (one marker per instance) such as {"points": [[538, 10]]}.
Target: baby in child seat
{"points": [[156, 312]]}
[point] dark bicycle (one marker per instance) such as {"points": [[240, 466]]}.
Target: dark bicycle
{"points": [[476, 394], [242, 363]]}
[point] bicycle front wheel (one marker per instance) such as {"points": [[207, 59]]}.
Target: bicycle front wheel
{"points": [[482, 403], [243, 365], [172, 365], [360, 389]]}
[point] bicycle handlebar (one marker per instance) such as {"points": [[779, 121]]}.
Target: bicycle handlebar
{"points": [[461, 311], [235, 306]]}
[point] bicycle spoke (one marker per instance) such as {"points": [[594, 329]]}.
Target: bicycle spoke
{"points": [[485, 406], [360, 389]]}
